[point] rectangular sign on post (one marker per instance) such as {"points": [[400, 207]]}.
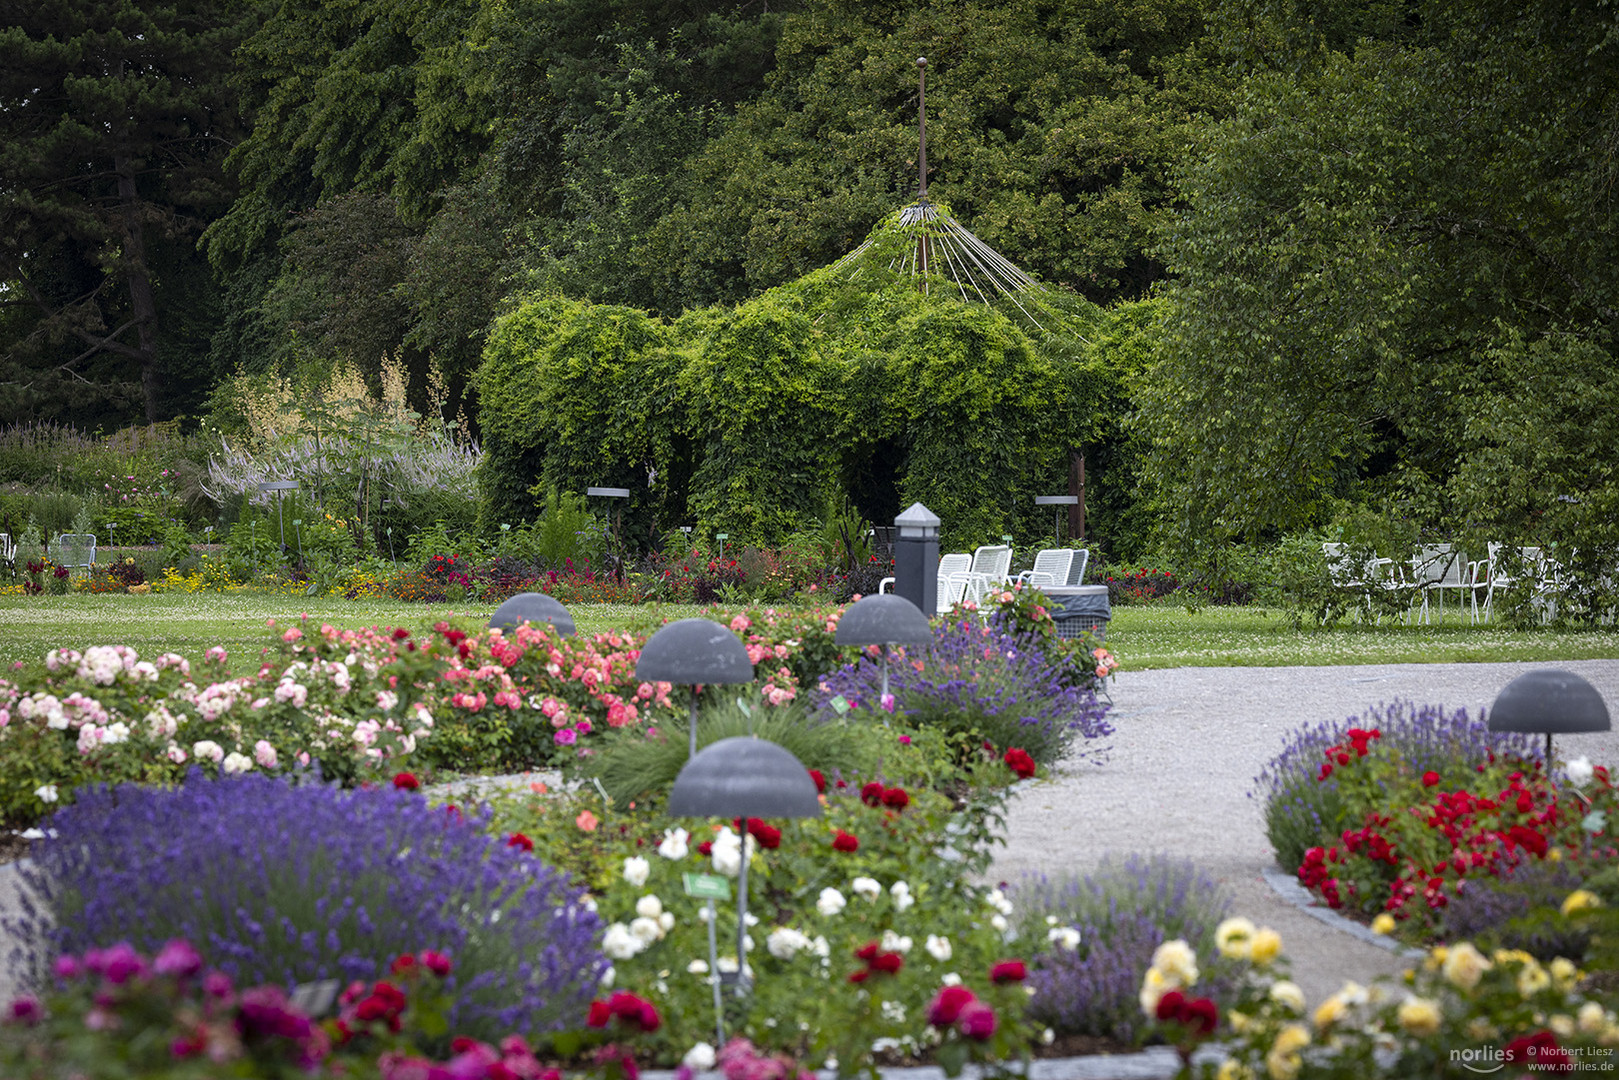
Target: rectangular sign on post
{"points": [[707, 886]]}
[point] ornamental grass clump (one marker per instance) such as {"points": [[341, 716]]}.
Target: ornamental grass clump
{"points": [[1098, 932], [1304, 807], [982, 683], [289, 884]]}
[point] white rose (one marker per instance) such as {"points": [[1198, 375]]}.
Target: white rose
{"points": [[727, 853], [892, 942], [1064, 937], [636, 870], [116, 733], [236, 763], [208, 750], [645, 929], [46, 793], [950, 978], [1288, 993], [998, 921], [830, 903], [649, 907], [674, 844], [938, 948], [1579, 771], [667, 921], [698, 967], [867, 887], [1177, 962], [619, 944], [784, 942], [699, 1057]]}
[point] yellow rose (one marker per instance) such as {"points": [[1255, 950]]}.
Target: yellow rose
{"points": [[1282, 1062], [1592, 1017], [1329, 1012], [1561, 1025], [1532, 979], [1288, 993], [1564, 974], [1554, 855], [1230, 1069], [1178, 963], [1234, 937], [1436, 958], [1579, 900], [1419, 1016], [1513, 956], [1153, 987], [1265, 947], [1383, 924], [1465, 966], [1238, 1021]]}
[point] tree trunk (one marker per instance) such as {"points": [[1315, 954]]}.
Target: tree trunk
{"points": [[143, 304]]}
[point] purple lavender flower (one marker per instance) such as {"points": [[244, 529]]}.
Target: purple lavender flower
{"points": [[988, 682], [283, 885], [1123, 910]]}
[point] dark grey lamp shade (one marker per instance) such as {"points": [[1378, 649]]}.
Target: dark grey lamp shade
{"points": [[1549, 701], [532, 607], [694, 651], [744, 777], [883, 619]]}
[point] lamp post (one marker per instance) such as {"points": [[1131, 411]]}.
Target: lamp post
{"points": [[278, 486], [1058, 501], [533, 607], [884, 619], [740, 777], [612, 493], [696, 652], [916, 557], [1549, 700]]}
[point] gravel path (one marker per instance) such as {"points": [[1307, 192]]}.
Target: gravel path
{"points": [[1188, 744]]}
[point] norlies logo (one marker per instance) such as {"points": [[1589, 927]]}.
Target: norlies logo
{"points": [[1486, 1059]]}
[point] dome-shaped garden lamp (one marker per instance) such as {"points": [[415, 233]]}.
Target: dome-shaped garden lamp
{"points": [[884, 619], [741, 777], [1549, 700], [696, 652], [532, 607]]}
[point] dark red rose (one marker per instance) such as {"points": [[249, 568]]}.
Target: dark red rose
{"points": [[1008, 971]]}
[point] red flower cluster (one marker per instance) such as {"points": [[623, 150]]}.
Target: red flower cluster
{"points": [[845, 842], [407, 963], [874, 794], [766, 836], [1008, 971], [1019, 761], [514, 1060], [887, 963], [1198, 1015], [406, 781], [956, 1006], [381, 1003], [1359, 740], [820, 780], [634, 1012], [518, 840]]}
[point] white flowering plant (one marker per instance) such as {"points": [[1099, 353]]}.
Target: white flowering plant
{"points": [[857, 920]]}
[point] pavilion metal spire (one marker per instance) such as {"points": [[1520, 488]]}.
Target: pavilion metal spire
{"points": [[925, 241]]}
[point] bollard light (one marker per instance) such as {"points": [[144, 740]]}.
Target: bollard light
{"points": [[884, 619], [916, 557], [1549, 701], [696, 652], [532, 607]]}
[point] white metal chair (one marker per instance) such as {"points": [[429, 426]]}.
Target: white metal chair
{"points": [[1545, 571], [953, 580], [76, 551], [991, 568], [1374, 574], [1436, 569], [1051, 567], [8, 554]]}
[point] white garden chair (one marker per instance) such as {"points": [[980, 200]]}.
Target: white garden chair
{"points": [[8, 554], [991, 568], [952, 582], [1375, 574], [76, 551], [1546, 572], [1051, 567], [1437, 569]]}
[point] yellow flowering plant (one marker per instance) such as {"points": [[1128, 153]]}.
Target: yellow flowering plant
{"points": [[1461, 1011]]}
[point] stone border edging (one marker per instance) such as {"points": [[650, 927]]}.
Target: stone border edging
{"points": [[1288, 889], [1153, 1063]]}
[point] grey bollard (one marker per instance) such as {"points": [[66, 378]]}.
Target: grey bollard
{"points": [[916, 558]]}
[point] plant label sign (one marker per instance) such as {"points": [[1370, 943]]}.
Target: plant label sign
{"points": [[839, 704], [707, 886]]}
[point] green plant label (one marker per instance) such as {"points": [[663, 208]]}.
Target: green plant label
{"points": [[707, 886], [839, 705], [743, 705], [722, 536], [1595, 822]]}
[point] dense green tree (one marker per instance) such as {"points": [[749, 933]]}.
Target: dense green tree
{"points": [[1397, 280], [114, 119]]}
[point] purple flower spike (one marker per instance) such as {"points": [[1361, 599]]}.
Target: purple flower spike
{"points": [[178, 958]]}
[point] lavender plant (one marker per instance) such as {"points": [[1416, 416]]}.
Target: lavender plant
{"points": [[1501, 911], [983, 683], [287, 884], [1122, 910], [1303, 810]]}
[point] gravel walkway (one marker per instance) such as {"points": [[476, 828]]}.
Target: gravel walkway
{"points": [[1188, 744]]}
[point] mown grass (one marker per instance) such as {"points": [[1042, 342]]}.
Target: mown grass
{"points": [[1141, 637]]}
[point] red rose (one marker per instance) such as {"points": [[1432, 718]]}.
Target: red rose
{"points": [[872, 794], [1541, 1048], [845, 842], [1008, 971], [1430, 778], [462, 1043], [867, 952], [406, 781], [820, 780], [1170, 1005], [400, 633], [859, 976], [436, 962], [518, 840], [402, 963], [977, 1021], [947, 1005], [1019, 761], [706, 848], [768, 836], [1200, 1016], [633, 1010], [896, 798], [888, 963], [600, 1014]]}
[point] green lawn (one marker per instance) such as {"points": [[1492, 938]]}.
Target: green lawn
{"points": [[1141, 637]]}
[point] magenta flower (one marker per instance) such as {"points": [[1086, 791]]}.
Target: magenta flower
{"points": [[565, 737], [177, 958]]}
